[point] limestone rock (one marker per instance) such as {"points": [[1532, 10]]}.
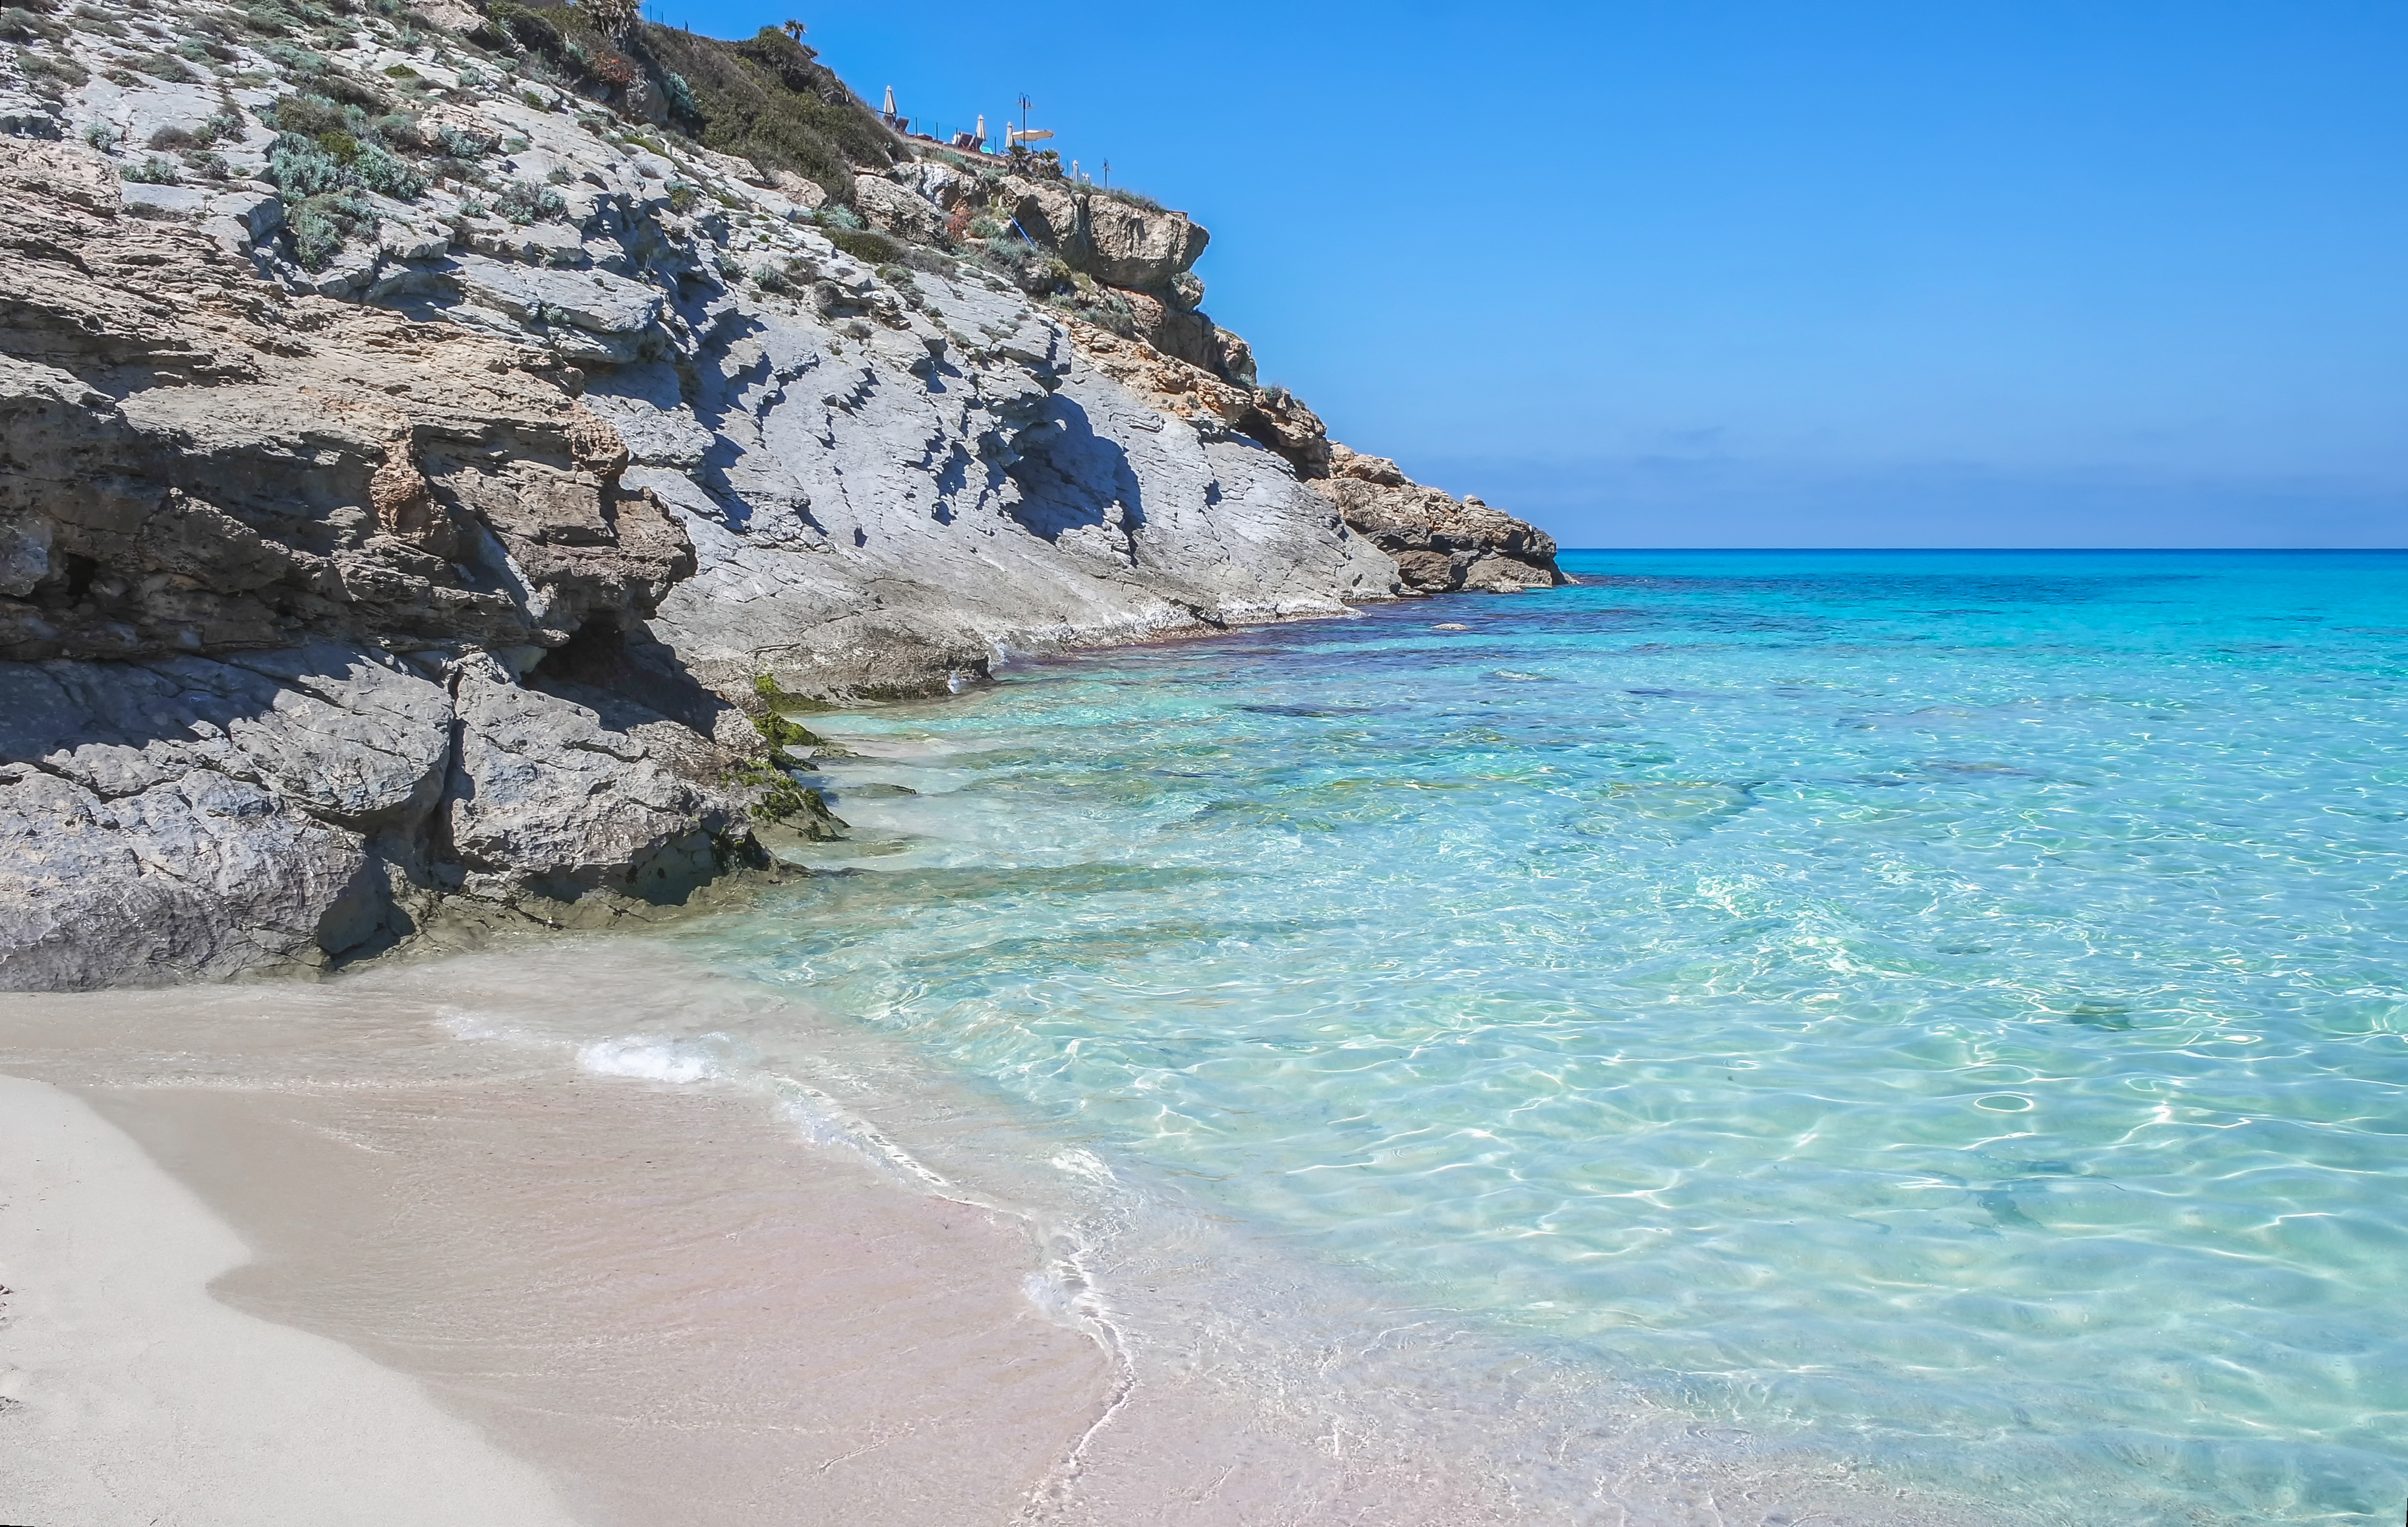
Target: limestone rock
{"points": [[1280, 420], [195, 462], [1171, 383], [1440, 544], [1130, 246], [547, 801], [197, 876], [427, 587], [890, 209], [1118, 242]]}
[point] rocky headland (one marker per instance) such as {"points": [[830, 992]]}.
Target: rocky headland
{"points": [[442, 451]]}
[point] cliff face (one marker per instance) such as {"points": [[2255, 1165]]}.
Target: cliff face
{"points": [[415, 466]]}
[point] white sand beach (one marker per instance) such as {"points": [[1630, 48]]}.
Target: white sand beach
{"points": [[133, 1396], [248, 1288]]}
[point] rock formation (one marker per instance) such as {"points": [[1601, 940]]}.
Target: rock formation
{"points": [[419, 456], [1440, 543]]}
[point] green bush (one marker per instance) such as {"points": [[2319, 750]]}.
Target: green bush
{"points": [[18, 24], [399, 129], [308, 168], [154, 171], [301, 168], [768, 99], [350, 92], [867, 245], [307, 114], [56, 66], [166, 66], [381, 171], [320, 225], [522, 201], [1030, 269], [316, 239]]}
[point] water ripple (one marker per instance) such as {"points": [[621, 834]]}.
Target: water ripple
{"points": [[1949, 1009]]}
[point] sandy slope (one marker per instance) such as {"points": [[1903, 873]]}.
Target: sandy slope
{"points": [[133, 1396]]}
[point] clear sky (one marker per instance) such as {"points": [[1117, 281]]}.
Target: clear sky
{"points": [[1770, 272]]}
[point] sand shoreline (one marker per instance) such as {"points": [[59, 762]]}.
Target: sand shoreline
{"points": [[462, 1237], [560, 1297]]}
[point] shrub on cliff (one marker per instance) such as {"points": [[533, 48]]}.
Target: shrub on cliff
{"points": [[867, 245], [321, 225], [574, 44], [768, 99], [509, 25], [301, 167], [1033, 270], [378, 169], [1144, 204], [18, 24], [307, 114], [523, 201]]}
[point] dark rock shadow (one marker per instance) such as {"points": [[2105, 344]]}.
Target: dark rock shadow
{"points": [[628, 677], [1069, 476]]}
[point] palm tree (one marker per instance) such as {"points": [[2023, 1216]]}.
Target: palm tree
{"points": [[795, 30]]}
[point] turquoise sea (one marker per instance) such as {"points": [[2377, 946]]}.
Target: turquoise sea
{"points": [[1946, 1010]]}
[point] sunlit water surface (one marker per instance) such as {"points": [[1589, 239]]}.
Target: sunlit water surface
{"points": [[1944, 1010]]}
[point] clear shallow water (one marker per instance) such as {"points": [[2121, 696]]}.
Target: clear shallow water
{"points": [[1947, 1010]]}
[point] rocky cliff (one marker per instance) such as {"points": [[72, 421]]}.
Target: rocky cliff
{"points": [[433, 446]]}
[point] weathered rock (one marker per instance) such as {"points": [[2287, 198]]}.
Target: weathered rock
{"points": [[906, 214], [1117, 242], [193, 462], [1046, 212], [1280, 420], [427, 587], [547, 801], [187, 817], [1130, 246], [197, 876], [1184, 334], [181, 817], [1440, 543]]}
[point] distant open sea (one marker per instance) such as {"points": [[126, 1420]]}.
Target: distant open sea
{"points": [[1945, 1012]]}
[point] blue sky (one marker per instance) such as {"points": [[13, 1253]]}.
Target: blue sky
{"points": [[1896, 272]]}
